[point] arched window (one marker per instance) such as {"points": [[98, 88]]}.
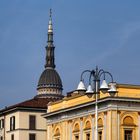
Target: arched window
{"points": [[76, 128], [100, 122], [100, 126], [57, 134], [87, 130], [88, 125], [76, 132], [129, 127], [128, 121]]}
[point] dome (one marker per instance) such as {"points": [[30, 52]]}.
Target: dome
{"points": [[50, 78], [50, 84]]}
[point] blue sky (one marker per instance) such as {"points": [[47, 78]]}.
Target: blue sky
{"points": [[86, 34]]}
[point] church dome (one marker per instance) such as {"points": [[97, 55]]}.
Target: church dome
{"points": [[50, 84], [50, 78]]}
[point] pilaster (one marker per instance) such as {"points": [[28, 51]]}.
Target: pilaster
{"points": [[118, 124], [92, 127], [70, 129], [105, 127], [139, 126], [114, 125], [81, 128]]}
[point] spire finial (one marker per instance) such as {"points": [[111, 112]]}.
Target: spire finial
{"points": [[50, 58], [50, 13], [50, 28]]}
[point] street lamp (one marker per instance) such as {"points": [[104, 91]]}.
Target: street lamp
{"points": [[94, 87]]}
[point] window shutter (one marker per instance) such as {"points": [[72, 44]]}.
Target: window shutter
{"points": [[14, 123], [32, 122]]}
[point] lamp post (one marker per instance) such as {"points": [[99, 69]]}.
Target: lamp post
{"points": [[94, 87]]}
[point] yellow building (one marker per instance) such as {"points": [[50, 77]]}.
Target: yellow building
{"points": [[73, 118]]}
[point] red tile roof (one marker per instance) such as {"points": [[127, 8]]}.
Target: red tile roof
{"points": [[40, 103]]}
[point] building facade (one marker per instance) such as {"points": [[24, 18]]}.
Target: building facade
{"points": [[73, 118], [23, 121]]}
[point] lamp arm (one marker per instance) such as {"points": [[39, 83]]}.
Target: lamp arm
{"points": [[92, 74], [106, 72], [90, 78], [102, 72], [81, 78]]}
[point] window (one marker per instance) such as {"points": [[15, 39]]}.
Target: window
{"points": [[76, 137], [32, 122], [12, 123], [12, 137], [87, 136], [100, 135], [1, 123], [32, 136], [129, 125], [57, 134], [57, 139], [128, 135], [1, 138], [76, 131]]}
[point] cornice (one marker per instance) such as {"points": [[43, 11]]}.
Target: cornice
{"points": [[27, 109], [106, 99], [128, 86]]}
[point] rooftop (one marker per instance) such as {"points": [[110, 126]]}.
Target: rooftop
{"points": [[34, 103]]}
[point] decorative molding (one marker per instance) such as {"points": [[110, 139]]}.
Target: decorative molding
{"points": [[22, 109], [88, 110], [23, 129], [100, 101]]}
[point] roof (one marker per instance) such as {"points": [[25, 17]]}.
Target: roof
{"points": [[34, 103], [50, 78]]}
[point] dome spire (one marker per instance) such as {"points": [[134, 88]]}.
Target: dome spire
{"points": [[50, 84], [50, 58], [50, 13], [50, 28]]}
